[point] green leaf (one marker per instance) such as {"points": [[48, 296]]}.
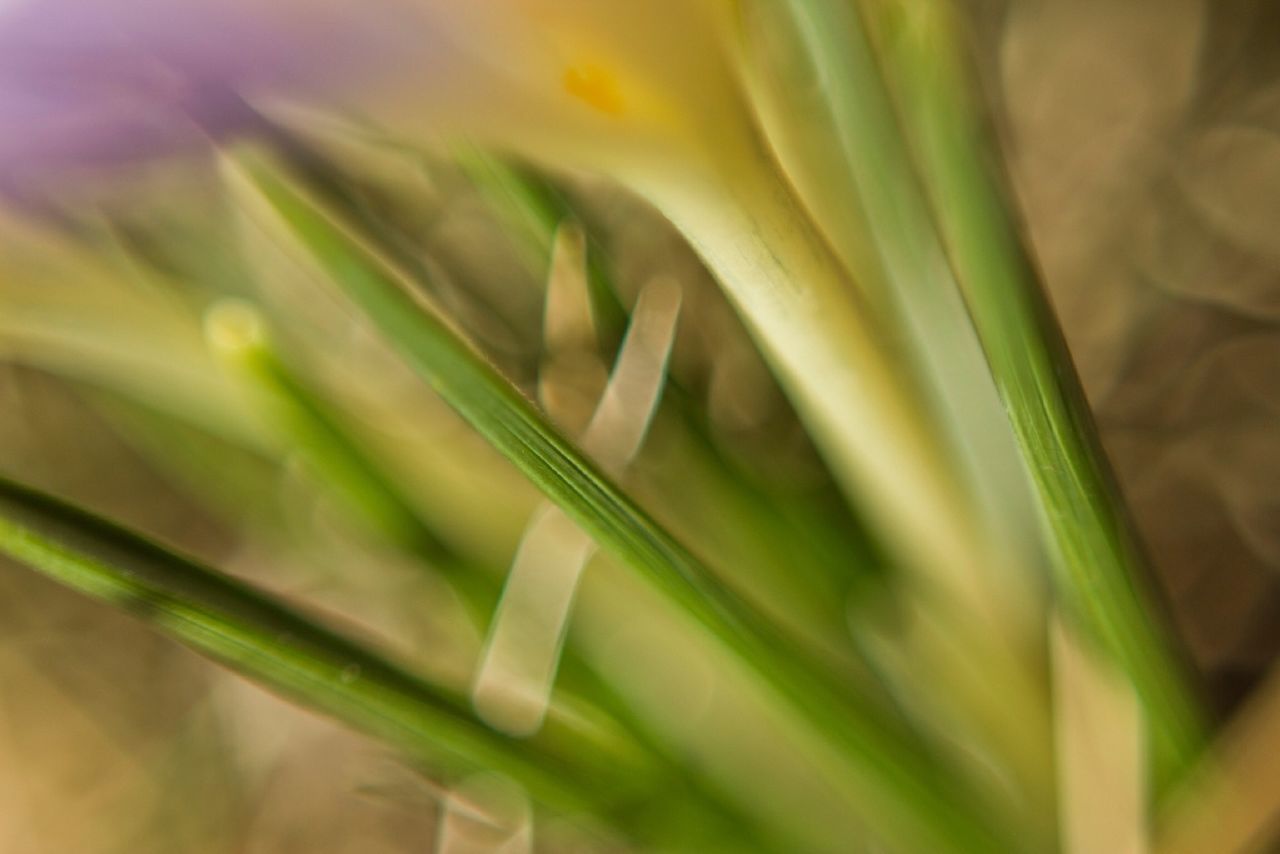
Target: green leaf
{"points": [[909, 794], [257, 636], [1101, 565], [903, 104], [814, 80]]}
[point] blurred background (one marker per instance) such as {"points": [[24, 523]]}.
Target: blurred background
{"points": [[1143, 145]]}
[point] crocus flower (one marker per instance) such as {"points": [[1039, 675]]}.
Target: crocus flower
{"points": [[650, 93]]}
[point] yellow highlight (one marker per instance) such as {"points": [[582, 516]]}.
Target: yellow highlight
{"points": [[595, 87]]}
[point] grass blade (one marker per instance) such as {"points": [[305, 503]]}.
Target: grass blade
{"points": [[910, 794], [832, 126], [899, 101], [815, 86], [1100, 562], [257, 636], [293, 408]]}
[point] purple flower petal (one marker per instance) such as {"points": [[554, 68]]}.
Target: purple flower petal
{"points": [[87, 83]]}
